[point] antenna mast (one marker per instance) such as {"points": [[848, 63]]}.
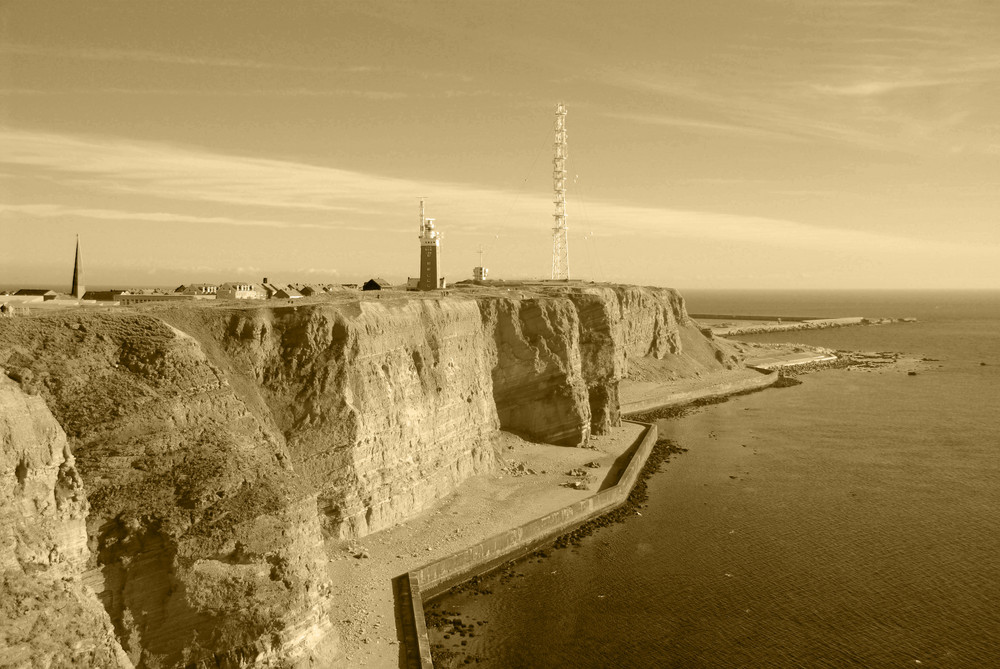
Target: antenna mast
{"points": [[560, 231]]}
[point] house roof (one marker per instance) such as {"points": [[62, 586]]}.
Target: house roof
{"points": [[102, 294], [36, 291], [195, 286]]}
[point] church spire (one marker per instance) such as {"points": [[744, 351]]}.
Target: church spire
{"points": [[78, 288]]}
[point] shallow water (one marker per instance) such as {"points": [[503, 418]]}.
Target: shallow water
{"points": [[849, 521]]}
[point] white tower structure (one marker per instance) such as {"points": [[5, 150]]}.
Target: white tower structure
{"points": [[560, 232], [430, 242], [479, 273]]}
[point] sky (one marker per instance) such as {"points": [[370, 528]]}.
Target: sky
{"points": [[712, 144]]}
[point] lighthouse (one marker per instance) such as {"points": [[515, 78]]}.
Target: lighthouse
{"points": [[430, 244]]}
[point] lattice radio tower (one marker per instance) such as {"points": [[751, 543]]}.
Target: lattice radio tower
{"points": [[560, 232]]}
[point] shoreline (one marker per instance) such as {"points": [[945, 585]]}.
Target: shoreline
{"points": [[479, 583], [640, 396], [458, 568], [365, 569], [728, 326], [410, 587]]}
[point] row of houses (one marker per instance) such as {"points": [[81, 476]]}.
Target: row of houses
{"points": [[264, 290], [233, 290]]}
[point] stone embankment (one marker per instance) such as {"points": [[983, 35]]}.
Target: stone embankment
{"points": [[220, 446], [743, 325]]}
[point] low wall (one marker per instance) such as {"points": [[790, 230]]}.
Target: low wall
{"points": [[813, 324], [763, 380], [743, 317], [438, 576]]}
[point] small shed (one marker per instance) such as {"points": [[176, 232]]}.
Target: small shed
{"points": [[376, 284]]}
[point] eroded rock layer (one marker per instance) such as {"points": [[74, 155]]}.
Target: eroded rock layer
{"points": [[537, 373], [47, 616], [385, 407], [204, 545]]}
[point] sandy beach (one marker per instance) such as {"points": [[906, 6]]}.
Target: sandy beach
{"points": [[481, 507]]}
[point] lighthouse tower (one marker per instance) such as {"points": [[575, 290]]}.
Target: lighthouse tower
{"points": [[430, 244]]}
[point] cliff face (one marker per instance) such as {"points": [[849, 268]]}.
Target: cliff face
{"points": [[618, 323], [48, 616], [219, 444], [559, 356], [537, 370], [384, 407], [204, 546]]}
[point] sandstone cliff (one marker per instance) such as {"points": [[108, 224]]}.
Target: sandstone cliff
{"points": [[220, 443], [384, 406], [49, 618], [204, 546], [561, 352]]}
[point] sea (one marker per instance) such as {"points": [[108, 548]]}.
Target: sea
{"points": [[850, 521]]}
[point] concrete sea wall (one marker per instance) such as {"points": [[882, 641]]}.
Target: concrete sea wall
{"points": [[436, 577], [668, 398]]}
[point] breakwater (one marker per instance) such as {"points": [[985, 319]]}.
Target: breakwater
{"points": [[743, 317]]}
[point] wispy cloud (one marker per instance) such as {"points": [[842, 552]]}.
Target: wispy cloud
{"points": [[881, 74], [106, 54], [701, 125], [869, 88], [884, 76], [181, 174], [375, 204], [219, 93], [763, 107], [65, 212]]}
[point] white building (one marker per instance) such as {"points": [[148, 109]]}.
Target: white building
{"points": [[241, 291]]}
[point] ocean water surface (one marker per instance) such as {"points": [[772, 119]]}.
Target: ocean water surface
{"points": [[853, 520]]}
